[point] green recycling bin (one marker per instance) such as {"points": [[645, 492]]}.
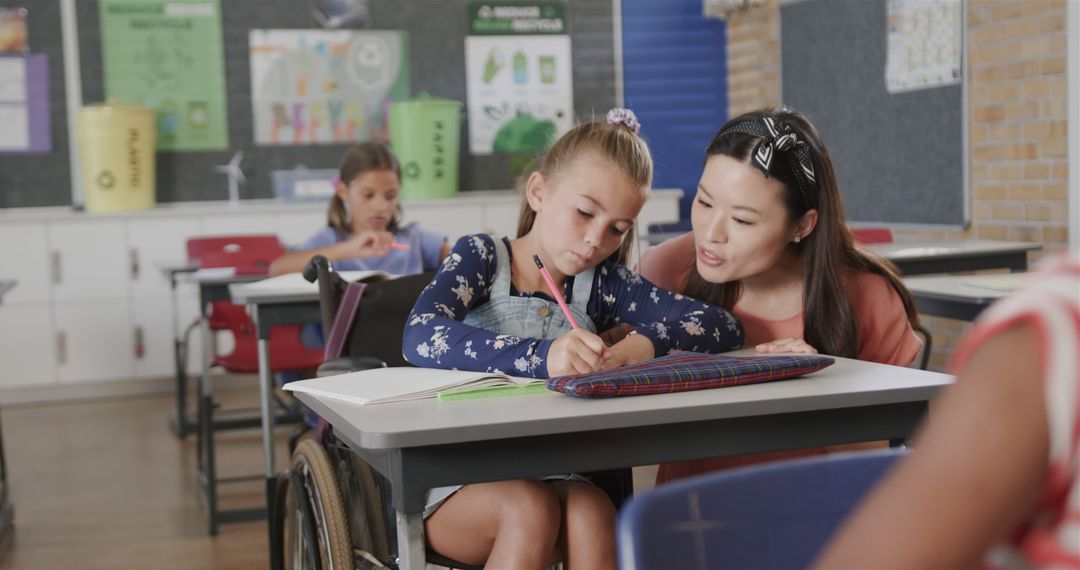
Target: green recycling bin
{"points": [[424, 133]]}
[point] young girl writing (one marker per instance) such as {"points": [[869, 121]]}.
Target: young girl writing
{"points": [[769, 242], [363, 230], [488, 309]]}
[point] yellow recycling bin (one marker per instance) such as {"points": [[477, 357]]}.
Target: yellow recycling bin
{"points": [[116, 153]]}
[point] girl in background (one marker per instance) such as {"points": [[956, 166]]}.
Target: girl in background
{"points": [[363, 229]]}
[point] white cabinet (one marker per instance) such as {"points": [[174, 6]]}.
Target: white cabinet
{"points": [[151, 318], [502, 219], [90, 260], [96, 340], [452, 220], [153, 243], [239, 224], [27, 343], [24, 257], [294, 228]]}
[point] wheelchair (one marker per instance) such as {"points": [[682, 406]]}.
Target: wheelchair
{"points": [[331, 509]]}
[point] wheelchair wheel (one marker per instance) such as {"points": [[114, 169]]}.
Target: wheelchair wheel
{"points": [[295, 530], [316, 532]]}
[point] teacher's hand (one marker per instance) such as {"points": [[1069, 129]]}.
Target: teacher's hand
{"points": [[788, 345]]}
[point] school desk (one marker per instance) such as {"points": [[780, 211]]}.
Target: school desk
{"points": [[282, 300], [213, 285], [7, 511], [960, 297], [949, 256], [178, 418], [427, 443]]}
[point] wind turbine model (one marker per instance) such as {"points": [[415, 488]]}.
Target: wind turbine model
{"points": [[236, 177]]}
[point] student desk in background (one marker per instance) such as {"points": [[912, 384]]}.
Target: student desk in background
{"points": [[178, 419], [950, 256], [960, 297], [7, 511], [214, 286], [427, 443], [283, 300]]}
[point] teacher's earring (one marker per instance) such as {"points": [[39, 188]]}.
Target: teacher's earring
{"points": [[797, 239]]}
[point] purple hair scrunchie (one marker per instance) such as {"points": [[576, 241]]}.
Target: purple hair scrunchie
{"points": [[625, 117]]}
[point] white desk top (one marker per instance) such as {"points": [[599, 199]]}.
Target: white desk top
{"points": [[847, 383], [287, 288], [948, 248], [977, 288], [5, 286], [217, 276]]}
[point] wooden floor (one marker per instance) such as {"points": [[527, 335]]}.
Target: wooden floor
{"points": [[107, 485]]}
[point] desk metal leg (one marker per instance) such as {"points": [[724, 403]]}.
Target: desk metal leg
{"points": [[180, 420], [410, 539], [267, 419], [208, 468]]}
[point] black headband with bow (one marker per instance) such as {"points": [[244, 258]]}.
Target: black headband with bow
{"points": [[776, 137]]}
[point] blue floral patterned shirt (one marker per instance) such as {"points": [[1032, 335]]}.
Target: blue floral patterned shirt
{"points": [[436, 337]]}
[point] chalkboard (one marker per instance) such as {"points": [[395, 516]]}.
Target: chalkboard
{"points": [[436, 32], [900, 158]]}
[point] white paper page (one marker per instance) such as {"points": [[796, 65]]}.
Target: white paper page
{"points": [[371, 386], [15, 134], [295, 282]]}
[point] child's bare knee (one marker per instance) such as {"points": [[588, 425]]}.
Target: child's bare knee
{"points": [[532, 503], [589, 505]]}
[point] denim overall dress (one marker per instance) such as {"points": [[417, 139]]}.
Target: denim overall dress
{"points": [[526, 317]]}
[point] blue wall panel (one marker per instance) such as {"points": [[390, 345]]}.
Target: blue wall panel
{"points": [[675, 79]]}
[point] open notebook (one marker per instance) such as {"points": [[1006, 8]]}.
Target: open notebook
{"points": [[385, 385]]}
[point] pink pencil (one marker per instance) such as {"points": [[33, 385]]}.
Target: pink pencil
{"points": [[555, 291], [396, 245]]}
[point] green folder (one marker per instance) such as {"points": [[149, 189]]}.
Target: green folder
{"points": [[494, 391]]}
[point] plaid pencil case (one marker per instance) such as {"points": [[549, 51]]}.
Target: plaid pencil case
{"points": [[686, 371]]}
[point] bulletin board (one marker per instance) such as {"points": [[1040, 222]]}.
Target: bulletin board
{"points": [[900, 157], [436, 33]]}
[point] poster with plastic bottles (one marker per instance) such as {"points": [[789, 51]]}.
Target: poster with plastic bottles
{"points": [[519, 82]]}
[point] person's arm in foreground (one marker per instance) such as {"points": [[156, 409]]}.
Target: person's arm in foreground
{"points": [[977, 467]]}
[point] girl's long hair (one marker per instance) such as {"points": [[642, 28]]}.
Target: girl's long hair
{"points": [[613, 142], [359, 159], [829, 321]]}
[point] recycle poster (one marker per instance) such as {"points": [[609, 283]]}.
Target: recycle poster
{"points": [[168, 55], [518, 76]]}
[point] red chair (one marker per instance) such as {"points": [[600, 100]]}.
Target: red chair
{"points": [[248, 255], [872, 235]]}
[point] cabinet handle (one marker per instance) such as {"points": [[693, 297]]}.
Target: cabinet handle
{"points": [[57, 275], [140, 344], [133, 255], [61, 347]]}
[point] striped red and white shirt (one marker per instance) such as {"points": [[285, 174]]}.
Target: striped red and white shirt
{"points": [[1050, 303]]}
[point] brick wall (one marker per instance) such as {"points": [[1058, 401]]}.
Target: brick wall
{"points": [[753, 58], [1017, 119]]}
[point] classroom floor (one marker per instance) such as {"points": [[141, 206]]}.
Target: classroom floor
{"points": [[106, 484]]}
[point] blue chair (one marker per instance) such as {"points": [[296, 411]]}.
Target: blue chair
{"points": [[775, 516]]}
